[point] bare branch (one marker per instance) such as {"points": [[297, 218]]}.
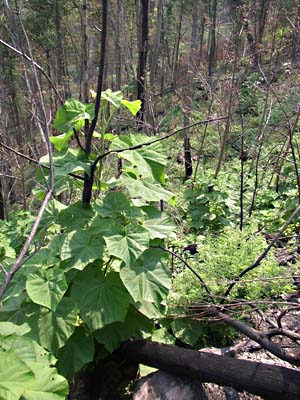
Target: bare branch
{"points": [[19, 53]]}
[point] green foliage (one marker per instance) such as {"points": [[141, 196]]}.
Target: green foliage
{"points": [[208, 205], [249, 95], [101, 275], [26, 369], [223, 258]]}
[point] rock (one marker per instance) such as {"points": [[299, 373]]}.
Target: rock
{"points": [[162, 385]]}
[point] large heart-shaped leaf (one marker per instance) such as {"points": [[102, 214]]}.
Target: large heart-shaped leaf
{"points": [[144, 189], [26, 371], [70, 161], [113, 98], [46, 287], [150, 160], [105, 299], [78, 351], [71, 115], [113, 204], [135, 325], [75, 216], [149, 278], [61, 141], [129, 246], [187, 330], [53, 329], [15, 375], [158, 224], [133, 106], [82, 248]]}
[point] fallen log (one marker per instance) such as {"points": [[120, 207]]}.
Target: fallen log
{"points": [[268, 381]]}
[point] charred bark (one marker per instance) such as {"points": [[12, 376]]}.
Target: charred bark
{"points": [[268, 381]]}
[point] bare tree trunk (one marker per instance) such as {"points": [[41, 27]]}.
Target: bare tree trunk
{"points": [[60, 65], [85, 73], [295, 50], [176, 50], [118, 46], [212, 45], [194, 36], [261, 11], [142, 62], [156, 42], [188, 167]]}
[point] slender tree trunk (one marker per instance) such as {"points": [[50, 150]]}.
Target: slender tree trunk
{"points": [[194, 37], [261, 12], [118, 46], [212, 46], [60, 67], [295, 50], [2, 206], [188, 167], [176, 50], [85, 73], [156, 42], [142, 61]]}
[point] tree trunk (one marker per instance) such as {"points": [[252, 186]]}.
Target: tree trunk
{"points": [[176, 51], [156, 42], [85, 74], [194, 37], [60, 66], [260, 22], [188, 167], [268, 381], [295, 51], [212, 46], [142, 61]]}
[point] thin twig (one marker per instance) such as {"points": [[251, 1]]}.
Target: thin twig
{"points": [[189, 267], [19, 53], [35, 161], [3, 270], [167, 136]]}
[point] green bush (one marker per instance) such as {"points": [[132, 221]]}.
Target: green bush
{"points": [[220, 260]]}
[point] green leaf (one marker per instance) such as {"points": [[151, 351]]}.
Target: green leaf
{"points": [[149, 309], [187, 330], [71, 115], [15, 375], [133, 106], [68, 162], [113, 98], [113, 204], [149, 278], [53, 329], [150, 160], [82, 248], [60, 142], [163, 336], [78, 351], [135, 325], [105, 299], [129, 246], [8, 328], [54, 207], [46, 287], [145, 189], [26, 370], [159, 224], [75, 216]]}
